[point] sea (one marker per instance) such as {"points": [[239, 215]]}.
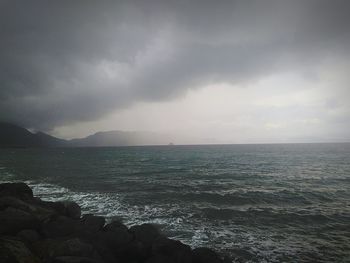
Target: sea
{"points": [[257, 203]]}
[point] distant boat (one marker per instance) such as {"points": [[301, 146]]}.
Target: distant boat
{"points": [[171, 144]]}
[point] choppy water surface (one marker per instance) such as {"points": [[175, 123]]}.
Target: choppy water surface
{"points": [[262, 203]]}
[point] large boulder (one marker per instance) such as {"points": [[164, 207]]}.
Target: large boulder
{"points": [[72, 209], [73, 247], [93, 223], [61, 226], [177, 251], [13, 220], [29, 236], [49, 249], [70, 259], [145, 233], [114, 239], [160, 259], [134, 251], [205, 255], [19, 190], [30, 206], [15, 251]]}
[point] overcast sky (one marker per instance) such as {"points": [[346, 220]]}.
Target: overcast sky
{"points": [[202, 71]]}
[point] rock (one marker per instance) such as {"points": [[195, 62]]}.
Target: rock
{"points": [[32, 207], [145, 233], [58, 207], [69, 259], [61, 226], [45, 248], [13, 220], [28, 236], [72, 209], [73, 247], [177, 251], [115, 225], [160, 259], [205, 255], [134, 251], [14, 251], [114, 239], [19, 190], [93, 223], [227, 260], [48, 249]]}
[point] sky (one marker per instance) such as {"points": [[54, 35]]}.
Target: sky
{"points": [[263, 71]]}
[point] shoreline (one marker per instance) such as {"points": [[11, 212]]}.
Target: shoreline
{"points": [[37, 231]]}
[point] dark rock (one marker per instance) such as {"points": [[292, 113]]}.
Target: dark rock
{"points": [[61, 226], [160, 259], [19, 190], [173, 249], [45, 248], [70, 259], [73, 247], [205, 255], [134, 251], [15, 251], [145, 233], [227, 260], [93, 223], [115, 238], [58, 207], [48, 249], [115, 225], [72, 209], [32, 207], [14, 220], [29, 236]]}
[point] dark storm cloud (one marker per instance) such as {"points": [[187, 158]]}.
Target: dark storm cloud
{"points": [[67, 61]]}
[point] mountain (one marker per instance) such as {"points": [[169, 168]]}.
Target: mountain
{"points": [[119, 138], [14, 136]]}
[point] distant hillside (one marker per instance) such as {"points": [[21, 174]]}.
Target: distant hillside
{"points": [[14, 136], [119, 138]]}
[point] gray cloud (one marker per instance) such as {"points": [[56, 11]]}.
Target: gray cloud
{"points": [[68, 61]]}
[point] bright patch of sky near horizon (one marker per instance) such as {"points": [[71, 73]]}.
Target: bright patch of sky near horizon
{"points": [[280, 108]]}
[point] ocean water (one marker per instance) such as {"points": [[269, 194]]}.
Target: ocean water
{"points": [[260, 203]]}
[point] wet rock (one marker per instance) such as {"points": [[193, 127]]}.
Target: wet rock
{"points": [[72, 209], [70, 259], [19, 190], [61, 226], [28, 236], [177, 251], [45, 248], [48, 249], [58, 207], [145, 233], [115, 237], [205, 255], [115, 225], [160, 259], [15, 251], [13, 220], [134, 251], [30, 206], [93, 223], [73, 247]]}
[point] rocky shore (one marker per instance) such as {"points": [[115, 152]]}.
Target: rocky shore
{"points": [[37, 231]]}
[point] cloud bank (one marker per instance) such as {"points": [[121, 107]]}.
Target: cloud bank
{"points": [[63, 62]]}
